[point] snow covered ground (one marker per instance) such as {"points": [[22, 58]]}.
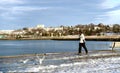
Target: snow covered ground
{"points": [[94, 62], [106, 65]]}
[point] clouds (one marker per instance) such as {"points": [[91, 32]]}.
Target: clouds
{"points": [[57, 12], [9, 2], [108, 4], [6, 8], [110, 12], [20, 5], [13, 9], [18, 13], [113, 17]]}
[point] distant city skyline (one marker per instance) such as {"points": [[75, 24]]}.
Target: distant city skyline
{"points": [[17, 14]]}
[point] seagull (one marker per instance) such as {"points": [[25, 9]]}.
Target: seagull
{"points": [[25, 61], [40, 60]]}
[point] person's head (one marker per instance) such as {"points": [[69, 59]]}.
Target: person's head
{"points": [[80, 32]]}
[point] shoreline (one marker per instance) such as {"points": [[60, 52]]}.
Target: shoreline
{"points": [[71, 37], [112, 53]]}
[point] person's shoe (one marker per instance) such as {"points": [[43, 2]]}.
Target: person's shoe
{"points": [[86, 53], [79, 53]]}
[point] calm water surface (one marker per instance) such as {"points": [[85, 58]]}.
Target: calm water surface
{"points": [[19, 47]]}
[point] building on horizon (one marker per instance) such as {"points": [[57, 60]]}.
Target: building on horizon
{"points": [[40, 26]]}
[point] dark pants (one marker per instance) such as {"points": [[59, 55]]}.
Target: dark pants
{"points": [[84, 46]]}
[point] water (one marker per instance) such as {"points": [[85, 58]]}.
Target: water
{"points": [[20, 47]]}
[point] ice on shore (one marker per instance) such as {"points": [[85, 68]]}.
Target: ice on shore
{"points": [[95, 62]]}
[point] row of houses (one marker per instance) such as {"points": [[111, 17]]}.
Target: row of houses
{"points": [[37, 31], [41, 30]]}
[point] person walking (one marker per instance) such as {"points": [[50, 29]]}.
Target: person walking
{"points": [[82, 43]]}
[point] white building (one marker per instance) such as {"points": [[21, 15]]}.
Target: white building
{"points": [[55, 29], [40, 26], [6, 31], [59, 28], [96, 27]]}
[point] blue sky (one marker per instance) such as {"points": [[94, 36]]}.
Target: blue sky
{"points": [[17, 14]]}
